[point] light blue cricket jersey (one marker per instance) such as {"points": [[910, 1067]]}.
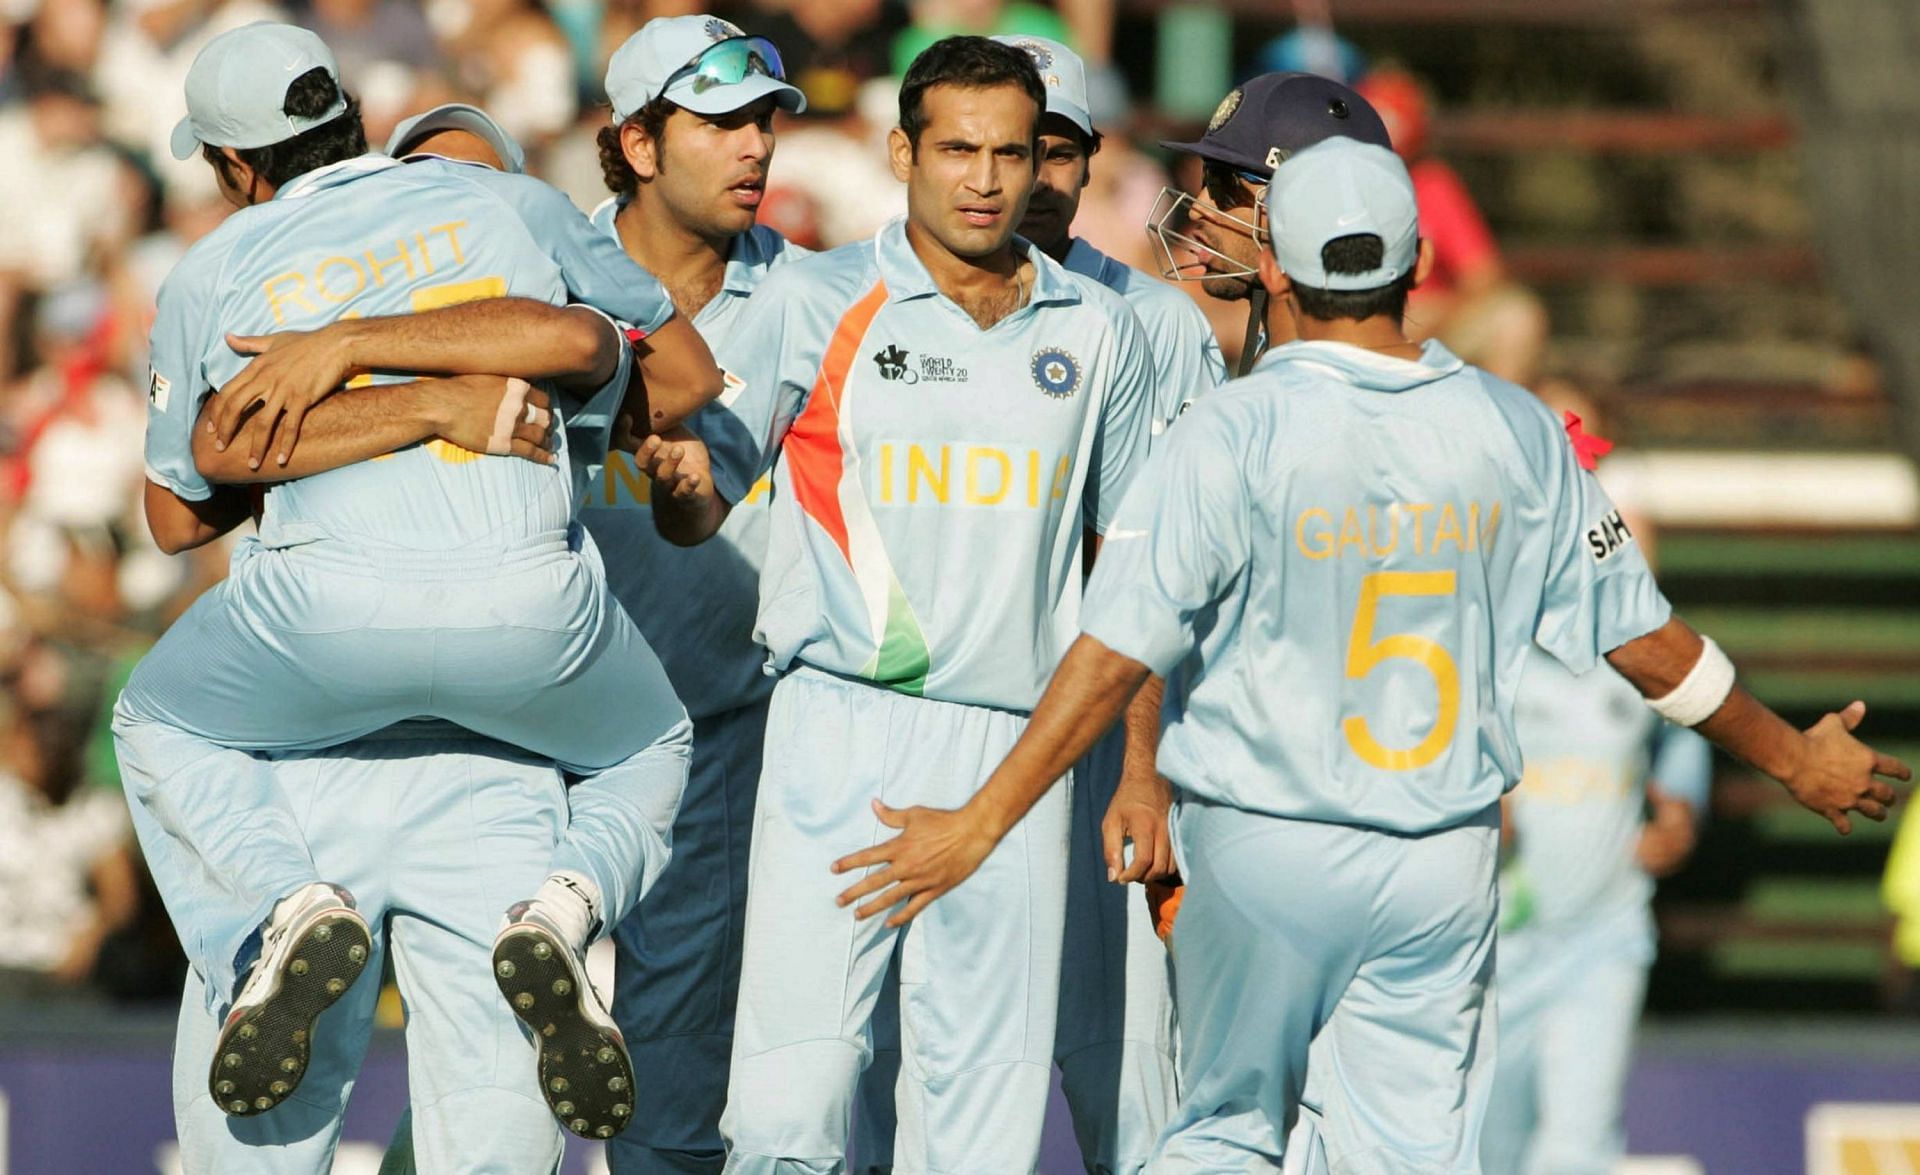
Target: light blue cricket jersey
{"points": [[369, 236], [1186, 353], [695, 605], [1591, 743], [1339, 564], [935, 479]]}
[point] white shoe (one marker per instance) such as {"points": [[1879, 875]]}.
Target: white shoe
{"points": [[539, 961], [314, 947]]}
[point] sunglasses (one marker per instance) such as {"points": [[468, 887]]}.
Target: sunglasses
{"points": [[1223, 186], [730, 62]]}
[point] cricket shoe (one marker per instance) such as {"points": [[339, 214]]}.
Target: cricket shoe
{"points": [[313, 948], [539, 961]]}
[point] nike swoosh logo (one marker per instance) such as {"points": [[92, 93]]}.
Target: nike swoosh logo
{"points": [[1350, 218]]}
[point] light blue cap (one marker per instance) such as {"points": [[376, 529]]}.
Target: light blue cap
{"points": [[1341, 187], [237, 88], [458, 116], [639, 70], [1065, 75]]}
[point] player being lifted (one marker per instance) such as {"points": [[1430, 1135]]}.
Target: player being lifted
{"points": [[1340, 565], [952, 411], [439, 582]]}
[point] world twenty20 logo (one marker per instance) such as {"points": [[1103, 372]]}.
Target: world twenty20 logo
{"points": [[1055, 372]]}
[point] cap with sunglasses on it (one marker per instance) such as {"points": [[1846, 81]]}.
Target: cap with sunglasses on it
{"points": [[699, 63], [1258, 125]]}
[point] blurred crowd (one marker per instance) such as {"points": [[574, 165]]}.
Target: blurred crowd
{"points": [[96, 212]]}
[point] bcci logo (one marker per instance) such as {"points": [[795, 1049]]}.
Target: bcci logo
{"points": [[1224, 111], [1042, 56], [720, 30], [1056, 373], [892, 363]]}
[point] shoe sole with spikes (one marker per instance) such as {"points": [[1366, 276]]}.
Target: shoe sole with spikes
{"points": [[264, 1049], [585, 1073]]}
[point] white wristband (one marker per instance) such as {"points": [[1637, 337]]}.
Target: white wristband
{"points": [[1706, 686]]}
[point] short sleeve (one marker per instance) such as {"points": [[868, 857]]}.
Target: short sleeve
{"points": [[1126, 423], [768, 366], [177, 385], [1682, 765], [1599, 593], [1177, 544], [1186, 357], [594, 267]]}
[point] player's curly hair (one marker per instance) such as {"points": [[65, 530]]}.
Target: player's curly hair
{"points": [[341, 137], [1354, 254], [614, 168], [973, 63]]}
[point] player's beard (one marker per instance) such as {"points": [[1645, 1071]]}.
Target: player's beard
{"points": [[1228, 289]]}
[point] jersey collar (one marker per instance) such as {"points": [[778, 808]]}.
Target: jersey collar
{"points": [[748, 255], [333, 175], [1083, 258], [1364, 368], [907, 278]]}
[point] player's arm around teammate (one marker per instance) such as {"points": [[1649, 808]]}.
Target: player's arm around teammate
{"points": [[517, 338], [499, 414]]}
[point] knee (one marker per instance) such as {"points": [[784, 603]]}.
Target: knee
{"points": [[512, 1129], [788, 1109]]}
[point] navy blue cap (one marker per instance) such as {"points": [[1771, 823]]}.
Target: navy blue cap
{"points": [[1260, 124]]}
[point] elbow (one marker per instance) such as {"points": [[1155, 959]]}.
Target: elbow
{"points": [[701, 390], [673, 406], [172, 536], [596, 349], [228, 467]]}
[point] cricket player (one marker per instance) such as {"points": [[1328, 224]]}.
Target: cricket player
{"points": [[1340, 564], [265, 103], [444, 789], [952, 411], [1254, 129], [1610, 800], [1114, 1041], [687, 157]]}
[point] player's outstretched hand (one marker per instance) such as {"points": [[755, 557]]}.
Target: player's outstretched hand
{"points": [[290, 373], [1837, 773], [677, 463], [936, 850], [1138, 812], [495, 415], [1667, 838]]}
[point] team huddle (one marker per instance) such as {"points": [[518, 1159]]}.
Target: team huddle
{"points": [[845, 634]]}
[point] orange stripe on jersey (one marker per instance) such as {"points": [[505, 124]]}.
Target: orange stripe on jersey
{"points": [[815, 460]]}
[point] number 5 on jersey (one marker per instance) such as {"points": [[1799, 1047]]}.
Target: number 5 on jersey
{"points": [[1365, 653]]}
